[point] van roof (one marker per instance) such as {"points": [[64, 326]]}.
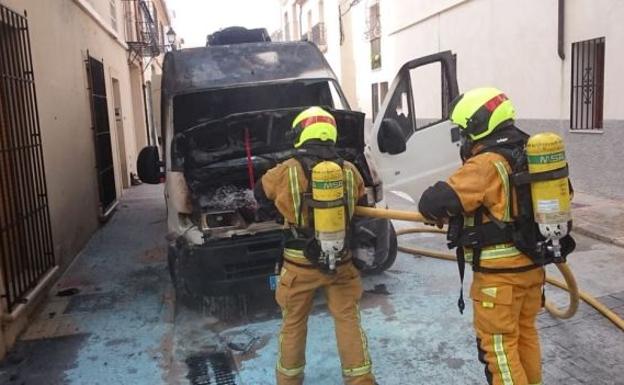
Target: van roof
{"points": [[195, 69]]}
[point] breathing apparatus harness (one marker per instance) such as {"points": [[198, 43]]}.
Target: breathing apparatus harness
{"points": [[322, 232], [522, 231]]}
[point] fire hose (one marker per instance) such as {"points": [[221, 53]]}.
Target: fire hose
{"points": [[569, 285]]}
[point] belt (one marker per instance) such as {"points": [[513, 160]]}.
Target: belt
{"points": [[297, 258]]}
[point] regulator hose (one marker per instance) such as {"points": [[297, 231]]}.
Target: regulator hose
{"points": [[569, 285]]}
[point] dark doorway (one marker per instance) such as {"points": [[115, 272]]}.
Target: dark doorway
{"points": [[101, 129]]}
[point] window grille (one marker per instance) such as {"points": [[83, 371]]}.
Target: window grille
{"points": [[26, 249], [587, 85]]}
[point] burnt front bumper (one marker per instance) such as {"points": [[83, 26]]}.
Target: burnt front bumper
{"points": [[237, 265]]}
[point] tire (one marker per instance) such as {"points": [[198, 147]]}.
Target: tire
{"points": [[393, 249]]}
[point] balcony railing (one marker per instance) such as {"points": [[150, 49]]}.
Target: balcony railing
{"points": [[142, 29]]}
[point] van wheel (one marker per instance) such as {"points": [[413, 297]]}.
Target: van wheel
{"points": [[392, 253]]}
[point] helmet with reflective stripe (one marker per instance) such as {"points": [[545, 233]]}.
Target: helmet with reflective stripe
{"points": [[481, 111], [314, 123]]}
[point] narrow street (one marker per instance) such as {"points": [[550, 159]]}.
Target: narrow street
{"points": [[110, 320]]}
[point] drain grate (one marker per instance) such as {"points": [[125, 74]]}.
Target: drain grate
{"points": [[210, 369]]}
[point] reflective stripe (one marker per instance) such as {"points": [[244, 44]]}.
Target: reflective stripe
{"points": [[501, 359], [293, 253], [505, 250], [502, 172], [367, 365], [293, 372], [350, 187], [296, 256], [293, 180], [359, 371]]}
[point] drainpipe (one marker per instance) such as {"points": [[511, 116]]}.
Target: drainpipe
{"points": [[28, 299], [560, 26]]}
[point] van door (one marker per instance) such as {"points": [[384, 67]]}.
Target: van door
{"points": [[416, 111]]}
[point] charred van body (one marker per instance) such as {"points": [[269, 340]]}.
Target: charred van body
{"points": [[226, 117]]}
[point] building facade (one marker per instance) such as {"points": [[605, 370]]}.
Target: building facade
{"points": [[76, 99], [559, 61]]}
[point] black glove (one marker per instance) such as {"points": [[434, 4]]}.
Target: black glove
{"points": [[439, 202]]}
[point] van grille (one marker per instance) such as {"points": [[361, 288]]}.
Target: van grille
{"points": [[253, 268]]}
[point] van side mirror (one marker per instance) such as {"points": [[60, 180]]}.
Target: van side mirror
{"points": [[390, 137], [149, 165]]}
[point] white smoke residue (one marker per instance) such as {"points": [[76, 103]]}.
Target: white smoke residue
{"points": [[228, 197]]}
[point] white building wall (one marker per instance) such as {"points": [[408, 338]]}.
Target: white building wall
{"points": [[509, 44]]}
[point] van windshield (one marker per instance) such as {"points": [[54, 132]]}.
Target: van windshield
{"points": [[192, 109]]}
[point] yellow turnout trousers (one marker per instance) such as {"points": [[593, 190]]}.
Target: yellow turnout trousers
{"points": [[295, 295], [505, 307]]}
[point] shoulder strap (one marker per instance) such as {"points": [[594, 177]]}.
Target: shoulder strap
{"points": [[307, 162]]}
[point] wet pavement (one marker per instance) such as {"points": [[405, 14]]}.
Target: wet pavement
{"points": [[111, 320]]}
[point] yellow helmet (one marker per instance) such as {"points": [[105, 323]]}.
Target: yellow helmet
{"points": [[480, 111], [314, 123]]}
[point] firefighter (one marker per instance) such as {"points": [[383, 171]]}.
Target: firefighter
{"points": [[315, 254], [480, 204]]}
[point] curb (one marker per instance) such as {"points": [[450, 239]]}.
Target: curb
{"points": [[592, 234]]}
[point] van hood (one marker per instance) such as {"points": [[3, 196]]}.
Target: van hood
{"points": [[265, 135]]}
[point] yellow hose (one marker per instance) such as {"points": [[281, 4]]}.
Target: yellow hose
{"points": [[570, 284]]}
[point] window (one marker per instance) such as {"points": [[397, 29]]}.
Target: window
{"points": [[374, 35], [286, 27], [399, 108], [113, 12], [587, 84], [429, 99], [383, 91], [378, 92], [375, 97], [130, 21], [196, 108], [26, 248], [295, 18], [420, 99]]}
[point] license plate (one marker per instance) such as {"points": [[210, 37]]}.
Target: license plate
{"points": [[273, 281]]}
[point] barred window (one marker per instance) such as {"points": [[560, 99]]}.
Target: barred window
{"points": [[26, 248], [587, 84]]}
